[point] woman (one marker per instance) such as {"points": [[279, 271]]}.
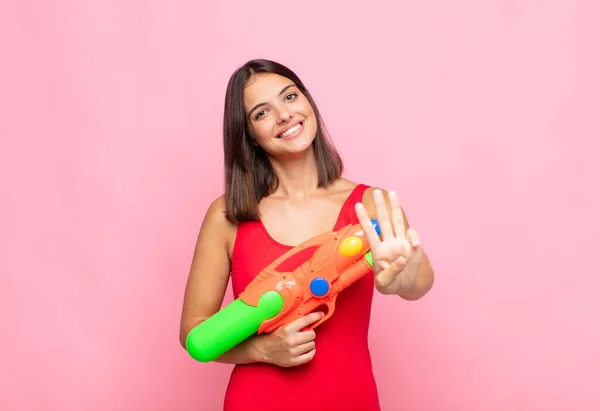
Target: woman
{"points": [[284, 186]]}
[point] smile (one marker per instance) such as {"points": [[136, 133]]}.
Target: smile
{"points": [[292, 131]]}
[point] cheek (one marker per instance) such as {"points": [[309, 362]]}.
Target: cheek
{"points": [[308, 111], [313, 118], [261, 131]]}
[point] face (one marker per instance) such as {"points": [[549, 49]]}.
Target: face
{"points": [[280, 118]]}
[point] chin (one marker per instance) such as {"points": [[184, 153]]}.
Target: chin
{"points": [[292, 150]]}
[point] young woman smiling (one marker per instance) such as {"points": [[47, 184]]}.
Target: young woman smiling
{"points": [[284, 185]]}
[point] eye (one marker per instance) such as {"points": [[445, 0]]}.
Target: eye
{"points": [[259, 114], [291, 96]]}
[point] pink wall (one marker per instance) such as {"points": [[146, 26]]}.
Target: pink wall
{"points": [[483, 115]]}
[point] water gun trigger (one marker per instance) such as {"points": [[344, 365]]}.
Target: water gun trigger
{"points": [[330, 304]]}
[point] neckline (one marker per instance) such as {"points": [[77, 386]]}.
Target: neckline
{"points": [[335, 226]]}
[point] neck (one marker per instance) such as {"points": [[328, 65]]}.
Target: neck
{"points": [[298, 177]]}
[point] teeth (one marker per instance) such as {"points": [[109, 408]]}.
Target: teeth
{"points": [[290, 131]]}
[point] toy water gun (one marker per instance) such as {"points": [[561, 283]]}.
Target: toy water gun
{"points": [[274, 299]]}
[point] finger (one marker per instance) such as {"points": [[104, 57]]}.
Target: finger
{"points": [[384, 280], [305, 336], [366, 224], [385, 277], [305, 321], [304, 358], [397, 215], [382, 215], [391, 271], [303, 348], [413, 237]]}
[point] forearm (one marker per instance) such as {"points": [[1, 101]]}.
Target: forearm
{"points": [[246, 352], [422, 283]]}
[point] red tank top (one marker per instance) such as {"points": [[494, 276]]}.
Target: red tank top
{"points": [[340, 376]]}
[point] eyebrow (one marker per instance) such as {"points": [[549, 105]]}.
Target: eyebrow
{"points": [[280, 93]]}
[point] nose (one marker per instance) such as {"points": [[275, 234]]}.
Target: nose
{"points": [[284, 115]]}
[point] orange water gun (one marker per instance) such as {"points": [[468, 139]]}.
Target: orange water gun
{"points": [[274, 299]]}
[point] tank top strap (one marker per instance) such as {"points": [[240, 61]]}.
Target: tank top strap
{"points": [[347, 213]]}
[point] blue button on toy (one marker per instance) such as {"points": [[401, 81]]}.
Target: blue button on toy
{"points": [[376, 225], [319, 287]]}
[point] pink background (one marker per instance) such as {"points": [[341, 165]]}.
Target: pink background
{"points": [[483, 115]]}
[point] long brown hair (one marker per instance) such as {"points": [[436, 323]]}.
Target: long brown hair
{"points": [[249, 175]]}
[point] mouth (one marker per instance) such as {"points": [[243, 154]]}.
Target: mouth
{"points": [[292, 131]]}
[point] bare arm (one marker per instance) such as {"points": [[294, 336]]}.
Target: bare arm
{"points": [[287, 346], [208, 278]]}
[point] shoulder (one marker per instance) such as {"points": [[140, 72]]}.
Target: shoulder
{"points": [[215, 213], [368, 202], [341, 186], [367, 197], [340, 192], [217, 224]]}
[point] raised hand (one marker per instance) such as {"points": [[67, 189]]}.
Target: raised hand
{"points": [[397, 252]]}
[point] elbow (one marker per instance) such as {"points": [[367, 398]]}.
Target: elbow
{"points": [[185, 329], [183, 338]]}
